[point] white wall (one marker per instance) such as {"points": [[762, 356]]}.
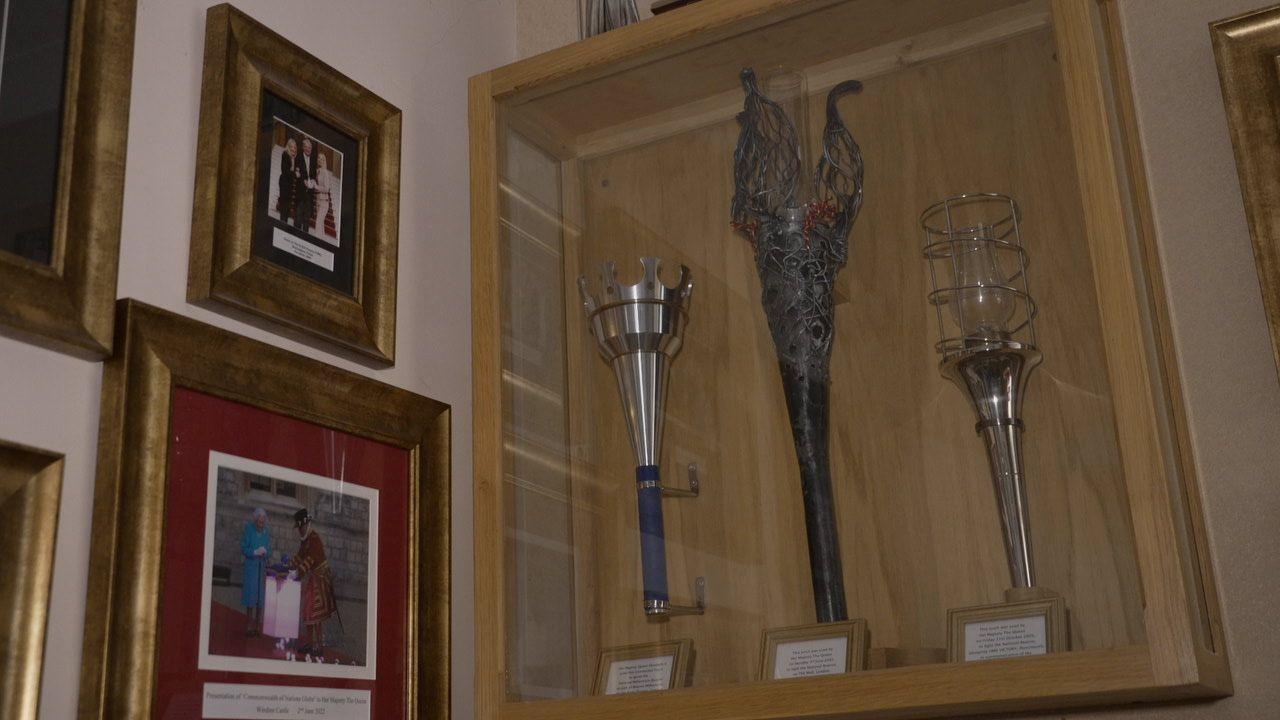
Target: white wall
{"points": [[418, 55]]}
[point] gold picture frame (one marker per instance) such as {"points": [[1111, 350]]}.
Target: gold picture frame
{"points": [[159, 353], [246, 65], [1052, 608], [30, 489], [681, 667], [68, 305], [856, 649], [1249, 71]]}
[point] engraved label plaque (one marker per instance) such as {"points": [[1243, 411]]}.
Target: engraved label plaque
{"points": [[1005, 637], [640, 675], [813, 650], [807, 658], [644, 668]]}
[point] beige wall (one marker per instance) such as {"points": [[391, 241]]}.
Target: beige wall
{"points": [[543, 25], [418, 55], [1224, 352]]}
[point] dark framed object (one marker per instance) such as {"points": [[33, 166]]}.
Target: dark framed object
{"points": [[30, 489], [1248, 53], [65, 76], [297, 199], [185, 434]]}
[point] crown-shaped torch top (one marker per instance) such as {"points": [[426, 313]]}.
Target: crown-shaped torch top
{"points": [[646, 317], [649, 289]]}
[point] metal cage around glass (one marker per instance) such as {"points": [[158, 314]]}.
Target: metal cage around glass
{"points": [[973, 246]]}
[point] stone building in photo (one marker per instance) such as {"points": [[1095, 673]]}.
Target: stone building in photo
{"points": [[342, 522]]}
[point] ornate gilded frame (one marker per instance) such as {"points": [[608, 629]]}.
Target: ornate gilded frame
{"points": [[1248, 52], [242, 58], [68, 304], [157, 352], [30, 488]]}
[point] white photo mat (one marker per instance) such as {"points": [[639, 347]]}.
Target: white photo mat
{"points": [[209, 661], [335, 191]]}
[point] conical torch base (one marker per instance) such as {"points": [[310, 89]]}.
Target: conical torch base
{"points": [[995, 380], [642, 386]]}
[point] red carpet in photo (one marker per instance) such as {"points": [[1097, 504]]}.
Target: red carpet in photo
{"points": [[226, 637]]}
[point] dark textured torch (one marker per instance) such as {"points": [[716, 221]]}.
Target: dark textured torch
{"points": [[987, 340], [798, 224], [638, 330]]}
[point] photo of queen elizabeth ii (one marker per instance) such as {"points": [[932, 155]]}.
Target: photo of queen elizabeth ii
{"points": [[255, 545], [290, 581]]}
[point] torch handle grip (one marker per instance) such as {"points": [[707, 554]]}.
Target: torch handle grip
{"points": [[653, 546]]}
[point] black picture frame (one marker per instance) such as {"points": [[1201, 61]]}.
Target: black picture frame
{"points": [[267, 229]]}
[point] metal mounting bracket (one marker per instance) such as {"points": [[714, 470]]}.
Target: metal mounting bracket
{"points": [[661, 608], [694, 485]]}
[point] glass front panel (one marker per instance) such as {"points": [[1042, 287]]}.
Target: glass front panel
{"points": [[959, 97]]}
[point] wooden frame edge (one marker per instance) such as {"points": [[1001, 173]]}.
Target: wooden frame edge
{"points": [[1097, 677], [1232, 39], [221, 268], [490, 660], [638, 43], [1138, 389], [159, 351], [1213, 661], [24, 604], [1135, 673], [69, 305]]}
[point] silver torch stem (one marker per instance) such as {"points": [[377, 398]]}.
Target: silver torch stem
{"points": [[995, 380]]}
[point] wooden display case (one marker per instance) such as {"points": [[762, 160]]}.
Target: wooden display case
{"points": [[621, 146]]}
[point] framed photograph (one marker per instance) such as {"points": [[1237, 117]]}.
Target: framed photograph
{"points": [[30, 490], [262, 606], [812, 650], [274, 535], [647, 667], [1010, 629], [297, 199], [66, 70], [1248, 53]]}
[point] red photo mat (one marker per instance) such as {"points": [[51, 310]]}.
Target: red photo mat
{"points": [[200, 424]]}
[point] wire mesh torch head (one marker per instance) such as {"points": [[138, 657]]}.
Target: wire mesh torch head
{"points": [[978, 272]]}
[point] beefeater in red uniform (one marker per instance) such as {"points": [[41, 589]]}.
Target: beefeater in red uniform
{"points": [[318, 600]]}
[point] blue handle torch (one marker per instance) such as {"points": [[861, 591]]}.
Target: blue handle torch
{"points": [[638, 330]]}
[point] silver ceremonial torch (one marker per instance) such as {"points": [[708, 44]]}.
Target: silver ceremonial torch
{"points": [[973, 245], [638, 330]]}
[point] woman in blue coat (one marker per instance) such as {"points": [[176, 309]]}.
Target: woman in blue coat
{"points": [[255, 545]]}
